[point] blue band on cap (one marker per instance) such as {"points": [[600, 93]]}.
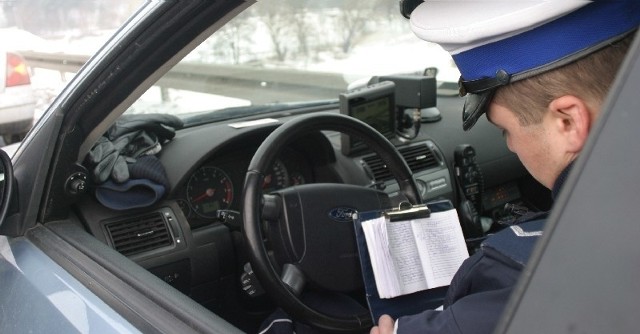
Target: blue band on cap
{"points": [[577, 31]]}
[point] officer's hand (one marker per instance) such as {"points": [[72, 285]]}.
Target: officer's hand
{"points": [[385, 325]]}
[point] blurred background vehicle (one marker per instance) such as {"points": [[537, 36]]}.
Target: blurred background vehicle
{"points": [[17, 98]]}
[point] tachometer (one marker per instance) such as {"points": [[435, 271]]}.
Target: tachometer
{"points": [[277, 179], [209, 189]]}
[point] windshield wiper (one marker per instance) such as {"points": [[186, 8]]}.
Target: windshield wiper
{"points": [[255, 110]]}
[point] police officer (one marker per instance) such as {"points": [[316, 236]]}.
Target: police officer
{"points": [[540, 71]]}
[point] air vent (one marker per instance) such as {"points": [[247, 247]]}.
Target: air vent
{"points": [[139, 234], [418, 157]]}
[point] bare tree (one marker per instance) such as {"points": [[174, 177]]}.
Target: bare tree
{"points": [[277, 27], [386, 9], [352, 24], [231, 39], [300, 25], [53, 17], [302, 34]]}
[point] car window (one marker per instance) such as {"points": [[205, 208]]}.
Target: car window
{"points": [[44, 44]]}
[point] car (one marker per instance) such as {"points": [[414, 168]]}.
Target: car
{"points": [[200, 170], [17, 97]]}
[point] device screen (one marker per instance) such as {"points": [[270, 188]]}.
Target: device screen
{"points": [[374, 105]]}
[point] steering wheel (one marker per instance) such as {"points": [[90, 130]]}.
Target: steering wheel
{"points": [[310, 226]]}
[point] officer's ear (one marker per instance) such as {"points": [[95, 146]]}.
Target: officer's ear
{"points": [[571, 119]]}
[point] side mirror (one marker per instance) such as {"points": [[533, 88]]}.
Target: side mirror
{"points": [[6, 183]]}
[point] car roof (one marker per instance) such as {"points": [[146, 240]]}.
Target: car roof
{"points": [[584, 275]]}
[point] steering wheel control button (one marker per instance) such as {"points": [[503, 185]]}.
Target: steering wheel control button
{"points": [[249, 282], [77, 183], [231, 218]]}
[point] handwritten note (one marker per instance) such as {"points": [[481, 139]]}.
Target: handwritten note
{"points": [[414, 255]]}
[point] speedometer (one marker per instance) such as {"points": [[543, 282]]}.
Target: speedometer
{"points": [[209, 189]]}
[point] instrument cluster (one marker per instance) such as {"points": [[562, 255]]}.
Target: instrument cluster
{"points": [[217, 184]]}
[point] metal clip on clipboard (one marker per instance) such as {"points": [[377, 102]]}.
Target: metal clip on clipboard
{"points": [[407, 211]]}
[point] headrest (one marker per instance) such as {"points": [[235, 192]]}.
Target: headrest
{"points": [[494, 43]]}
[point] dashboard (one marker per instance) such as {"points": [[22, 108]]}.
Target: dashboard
{"points": [[201, 254]]}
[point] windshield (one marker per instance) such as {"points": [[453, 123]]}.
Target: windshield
{"points": [[276, 55], [284, 54]]}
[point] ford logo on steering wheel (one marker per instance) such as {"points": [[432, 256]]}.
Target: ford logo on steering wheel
{"points": [[342, 214]]}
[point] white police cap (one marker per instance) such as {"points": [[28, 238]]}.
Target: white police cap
{"points": [[497, 42]]}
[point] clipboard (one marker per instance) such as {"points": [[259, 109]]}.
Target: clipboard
{"points": [[408, 212], [406, 304]]}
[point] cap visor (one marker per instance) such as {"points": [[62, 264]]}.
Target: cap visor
{"points": [[475, 105]]}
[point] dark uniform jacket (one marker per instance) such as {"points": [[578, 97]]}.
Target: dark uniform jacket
{"points": [[481, 287]]}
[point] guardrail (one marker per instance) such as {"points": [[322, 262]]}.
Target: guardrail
{"points": [[261, 84], [64, 63]]}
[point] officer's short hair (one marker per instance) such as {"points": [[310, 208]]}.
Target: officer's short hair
{"points": [[588, 78]]}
